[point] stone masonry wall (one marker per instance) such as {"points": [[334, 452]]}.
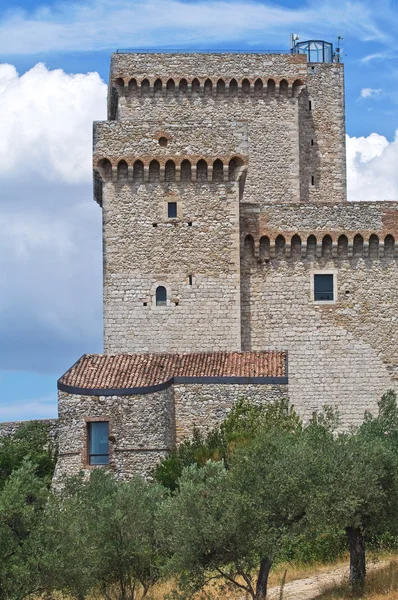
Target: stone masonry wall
{"points": [[322, 135], [146, 427], [272, 117], [342, 353], [195, 257], [10, 428], [205, 406], [143, 428]]}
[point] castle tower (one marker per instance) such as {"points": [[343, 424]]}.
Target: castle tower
{"points": [[233, 264], [190, 141]]}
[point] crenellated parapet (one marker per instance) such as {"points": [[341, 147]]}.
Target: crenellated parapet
{"points": [[355, 230], [214, 87], [320, 247]]}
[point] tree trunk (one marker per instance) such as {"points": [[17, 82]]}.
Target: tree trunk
{"points": [[356, 546], [262, 580]]}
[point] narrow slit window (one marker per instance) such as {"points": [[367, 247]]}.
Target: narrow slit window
{"points": [[309, 105], [312, 180], [172, 210], [312, 142], [98, 442], [323, 288], [190, 279]]}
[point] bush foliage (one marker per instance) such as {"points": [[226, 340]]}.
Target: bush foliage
{"points": [[224, 507]]}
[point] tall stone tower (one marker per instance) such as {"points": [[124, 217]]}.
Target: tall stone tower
{"points": [[195, 146], [233, 264]]}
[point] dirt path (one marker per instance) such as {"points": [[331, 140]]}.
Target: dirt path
{"points": [[311, 587]]}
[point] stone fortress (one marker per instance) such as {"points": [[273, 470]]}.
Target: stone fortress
{"points": [[233, 264]]}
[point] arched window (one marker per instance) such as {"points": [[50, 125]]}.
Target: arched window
{"points": [[170, 87], [233, 87], [201, 170], [280, 245], [389, 244], [195, 86], [145, 87], [119, 83], [296, 247], [183, 86], [264, 247], [208, 87], [283, 88], [327, 244], [221, 87], [105, 168], [233, 168], [133, 86], [158, 87], [373, 247], [358, 246], [246, 87], [169, 171], [296, 88], [311, 246], [154, 171], [342, 246], [122, 171], [138, 171], [186, 174], [271, 87], [161, 296], [258, 87], [249, 245], [218, 171]]}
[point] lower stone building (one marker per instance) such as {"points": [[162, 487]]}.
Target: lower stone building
{"points": [[129, 410]]}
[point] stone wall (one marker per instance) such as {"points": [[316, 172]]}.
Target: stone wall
{"points": [[342, 353], [142, 426], [204, 407], [146, 427], [10, 428], [195, 257], [322, 135], [272, 111]]}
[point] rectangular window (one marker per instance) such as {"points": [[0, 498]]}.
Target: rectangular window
{"points": [[172, 210], [98, 442], [312, 180], [323, 288], [309, 105]]}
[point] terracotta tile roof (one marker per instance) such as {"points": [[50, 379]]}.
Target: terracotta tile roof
{"points": [[106, 372]]}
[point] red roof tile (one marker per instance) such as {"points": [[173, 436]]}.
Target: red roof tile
{"points": [[131, 371]]}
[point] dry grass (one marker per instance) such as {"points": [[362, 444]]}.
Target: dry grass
{"points": [[381, 584]]}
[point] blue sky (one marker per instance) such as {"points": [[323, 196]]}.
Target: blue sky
{"points": [[54, 60]]}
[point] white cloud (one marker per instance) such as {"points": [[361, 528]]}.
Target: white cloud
{"points": [[50, 247], [372, 168], [369, 92], [45, 122], [105, 24], [375, 56]]}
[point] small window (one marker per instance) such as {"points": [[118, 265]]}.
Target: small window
{"points": [[172, 210], [98, 442], [312, 142], [323, 288], [161, 296], [312, 180], [190, 279], [309, 105]]}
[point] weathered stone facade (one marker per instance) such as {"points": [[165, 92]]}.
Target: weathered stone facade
{"points": [[222, 183], [144, 428]]}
